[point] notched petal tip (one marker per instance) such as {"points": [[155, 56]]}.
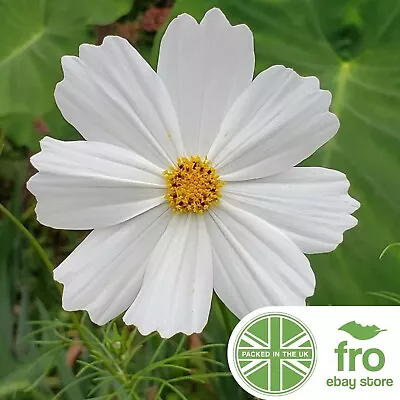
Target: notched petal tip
{"points": [[303, 303], [57, 89], [334, 120], [184, 17], [216, 14], [353, 223], [311, 283], [144, 331], [31, 181], [327, 96], [243, 28], [175, 27], [97, 317], [107, 41], [43, 217], [165, 333], [114, 39], [355, 203], [68, 302], [67, 306], [67, 62], [67, 59], [57, 275], [34, 161], [47, 141]]}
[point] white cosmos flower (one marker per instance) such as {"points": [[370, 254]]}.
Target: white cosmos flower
{"points": [[229, 145]]}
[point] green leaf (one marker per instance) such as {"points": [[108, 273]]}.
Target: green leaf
{"points": [[8, 388], [23, 130], [39, 33], [392, 297], [352, 46], [73, 392], [36, 34], [19, 128], [10, 265], [389, 247], [104, 12], [361, 332]]}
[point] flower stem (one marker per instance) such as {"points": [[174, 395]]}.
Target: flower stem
{"points": [[35, 244], [42, 254], [2, 139]]}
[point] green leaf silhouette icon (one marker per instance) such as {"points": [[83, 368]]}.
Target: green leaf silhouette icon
{"points": [[361, 332]]}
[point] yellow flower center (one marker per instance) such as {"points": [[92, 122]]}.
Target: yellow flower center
{"points": [[193, 185]]}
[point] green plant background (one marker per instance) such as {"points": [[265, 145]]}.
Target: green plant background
{"points": [[352, 46]]}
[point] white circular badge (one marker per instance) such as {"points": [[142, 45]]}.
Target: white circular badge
{"points": [[271, 353]]}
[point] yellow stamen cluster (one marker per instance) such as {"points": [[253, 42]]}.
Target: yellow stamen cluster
{"points": [[193, 185]]}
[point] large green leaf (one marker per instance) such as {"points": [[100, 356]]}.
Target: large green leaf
{"points": [[35, 35], [353, 46], [26, 130], [38, 33], [102, 12]]}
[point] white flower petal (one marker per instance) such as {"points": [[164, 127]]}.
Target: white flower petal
{"points": [[177, 286], [311, 205], [280, 120], [110, 94], [104, 273], [205, 67], [86, 185], [255, 264]]}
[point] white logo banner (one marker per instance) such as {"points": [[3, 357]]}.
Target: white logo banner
{"points": [[307, 353]]}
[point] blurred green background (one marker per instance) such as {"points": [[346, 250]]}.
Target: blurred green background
{"points": [[352, 46]]}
